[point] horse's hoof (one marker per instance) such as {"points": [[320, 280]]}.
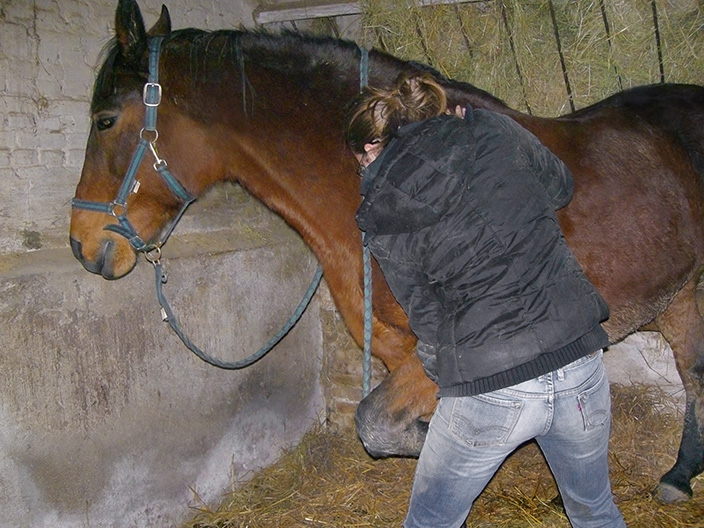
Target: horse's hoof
{"points": [[557, 504], [669, 494]]}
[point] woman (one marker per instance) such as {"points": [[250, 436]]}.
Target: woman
{"points": [[460, 216]]}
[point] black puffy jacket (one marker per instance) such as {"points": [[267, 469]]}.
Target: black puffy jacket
{"points": [[459, 214]]}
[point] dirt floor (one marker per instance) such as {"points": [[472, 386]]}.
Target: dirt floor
{"points": [[330, 481]]}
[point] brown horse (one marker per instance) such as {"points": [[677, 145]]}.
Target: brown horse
{"points": [[266, 111]]}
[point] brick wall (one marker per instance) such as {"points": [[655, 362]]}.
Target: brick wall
{"points": [[49, 51], [342, 367]]}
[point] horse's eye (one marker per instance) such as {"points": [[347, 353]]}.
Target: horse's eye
{"points": [[103, 123]]}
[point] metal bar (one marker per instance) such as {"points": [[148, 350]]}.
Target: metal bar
{"points": [[421, 38], [607, 28], [512, 46], [657, 41]]}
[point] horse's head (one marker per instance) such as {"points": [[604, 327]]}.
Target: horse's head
{"points": [[121, 207]]}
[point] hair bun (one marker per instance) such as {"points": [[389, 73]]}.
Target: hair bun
{"points": [[380, 112]]}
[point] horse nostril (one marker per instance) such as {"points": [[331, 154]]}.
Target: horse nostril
{"points": [[107, 254], [76, 247]]}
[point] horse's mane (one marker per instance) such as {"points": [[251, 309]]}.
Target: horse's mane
{"points": [[103, 86], [286, 52]]}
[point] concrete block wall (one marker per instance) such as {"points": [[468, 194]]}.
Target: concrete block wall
{"points": [[107, 420]]}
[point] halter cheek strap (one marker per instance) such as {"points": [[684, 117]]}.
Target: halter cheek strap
{"points": [[151, 97]]}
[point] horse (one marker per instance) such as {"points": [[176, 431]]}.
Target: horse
{"points": [[266, 111]]}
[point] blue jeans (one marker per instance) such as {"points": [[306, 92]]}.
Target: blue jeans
{"points": [[567, 411]]}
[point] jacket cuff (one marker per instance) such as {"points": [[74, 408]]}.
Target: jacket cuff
{"points": [[428, 357]]}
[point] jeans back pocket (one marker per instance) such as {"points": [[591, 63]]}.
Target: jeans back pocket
{"points": [[484, 421], [595, 401]]}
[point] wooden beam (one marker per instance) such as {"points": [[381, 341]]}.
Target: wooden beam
{"points": [[301, 10], [425, 3], [305, 9]]}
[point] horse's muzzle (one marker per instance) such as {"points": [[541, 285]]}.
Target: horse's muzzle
{"points": [[102, 265]]}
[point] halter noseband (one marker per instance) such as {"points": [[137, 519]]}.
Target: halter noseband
{"points": [[151, 97]]}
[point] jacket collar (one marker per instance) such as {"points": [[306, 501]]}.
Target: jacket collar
{"points": [[370, 172]]}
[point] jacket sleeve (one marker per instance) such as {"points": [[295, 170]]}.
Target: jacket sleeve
{"points": [[548, 169], [428, 357], [415, 292]]}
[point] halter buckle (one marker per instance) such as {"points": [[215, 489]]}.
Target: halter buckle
{"points": [[151, 94]]}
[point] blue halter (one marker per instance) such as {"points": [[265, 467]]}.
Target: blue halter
{"points": [[151, 97]]}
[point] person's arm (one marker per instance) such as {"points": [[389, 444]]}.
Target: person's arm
{"points": [[427, 354], [548, 169], [414, 292]]}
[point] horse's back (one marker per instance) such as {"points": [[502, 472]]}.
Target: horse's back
{"points": [[674, 110]]}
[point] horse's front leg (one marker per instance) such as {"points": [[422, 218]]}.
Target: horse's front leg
{"points": [[682, 325], [393, 419]]}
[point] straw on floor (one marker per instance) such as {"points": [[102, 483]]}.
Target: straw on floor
{"points": [[330, 481]]}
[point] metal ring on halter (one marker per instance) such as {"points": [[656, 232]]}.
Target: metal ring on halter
{"points": [[150, 141], [118, 210], [153, 256]]}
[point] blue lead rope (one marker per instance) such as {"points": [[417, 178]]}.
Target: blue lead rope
{"points": [[152, 98], [367, 359], [366, 260], [169, 317]]}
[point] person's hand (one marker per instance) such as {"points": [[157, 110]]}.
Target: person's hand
{"points": [[459, 111]]}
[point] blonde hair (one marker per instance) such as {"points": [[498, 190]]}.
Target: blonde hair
{"points": [[377, 113]]}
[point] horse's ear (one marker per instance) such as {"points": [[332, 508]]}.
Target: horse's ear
{"points": [[129, 31], [163, 26]]}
